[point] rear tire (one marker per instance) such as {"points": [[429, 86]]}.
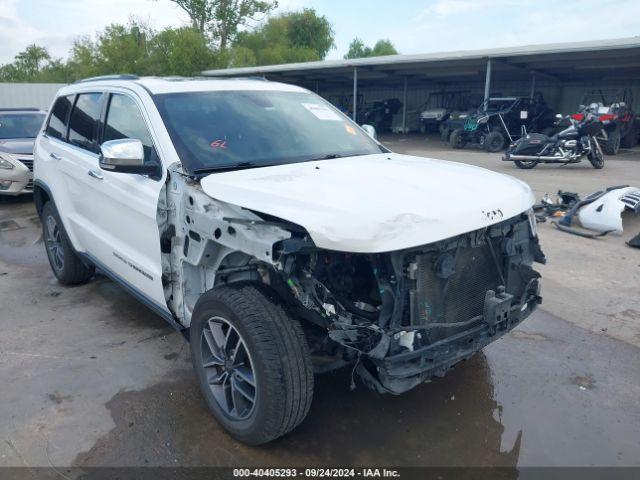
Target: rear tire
{"points": [[630, 140], [494, 141], [277, 352], [67, 266], [612, 145], [456, 140], [526, 165]]}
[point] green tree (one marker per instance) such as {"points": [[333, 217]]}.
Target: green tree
{"points": [[124, 49], [223, 18], [181, 51], [308, 30], [34, 64], [383, 47], [31, 60], [357, 49], [290, 37], [135, 48]]}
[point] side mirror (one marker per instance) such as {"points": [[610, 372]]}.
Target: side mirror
{"points": [[125, 156], [370, 130]]}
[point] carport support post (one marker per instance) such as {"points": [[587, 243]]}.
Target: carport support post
{"points": [[487, 84], [355, 94], [404, 108], [533, 85]]}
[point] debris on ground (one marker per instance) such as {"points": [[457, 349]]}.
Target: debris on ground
{"points": [[557, 207], [635, 241], [600, 211]]}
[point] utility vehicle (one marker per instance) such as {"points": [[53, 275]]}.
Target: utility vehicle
{"points": [[434, 113], [281, 238], [501, 121], [614, 108]]}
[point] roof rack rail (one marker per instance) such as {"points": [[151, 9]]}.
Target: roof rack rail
{"points": [[262, 78], [125, 76], [17, 109]]}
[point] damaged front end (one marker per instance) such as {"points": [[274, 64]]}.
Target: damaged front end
{"points": [[403, 317]]}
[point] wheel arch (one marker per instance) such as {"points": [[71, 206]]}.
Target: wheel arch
{"points": [[41, 195]]}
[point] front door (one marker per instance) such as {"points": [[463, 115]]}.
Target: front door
{"points": [[126, 236]]}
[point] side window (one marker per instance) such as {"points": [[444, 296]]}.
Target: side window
{"points": [[57, 126], [84, 120], [124, 120]]}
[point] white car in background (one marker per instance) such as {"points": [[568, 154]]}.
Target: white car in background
{"points": [[281, 238], [18, 130]]}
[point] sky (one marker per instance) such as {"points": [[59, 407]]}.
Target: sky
{"points": [[414, 26]]}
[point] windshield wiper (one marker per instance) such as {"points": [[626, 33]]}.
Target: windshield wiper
{"points": [[227, 168]]}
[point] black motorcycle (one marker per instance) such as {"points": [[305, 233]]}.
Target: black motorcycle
{"points": [[568, 146]]}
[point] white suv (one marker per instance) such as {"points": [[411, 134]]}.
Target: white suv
{"points": [[281, 237]]}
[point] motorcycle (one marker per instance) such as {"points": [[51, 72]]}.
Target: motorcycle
{"points": [[570, 145]]}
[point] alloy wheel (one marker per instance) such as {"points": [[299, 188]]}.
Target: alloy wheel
{"points": [[228, 368], [54, 243]]}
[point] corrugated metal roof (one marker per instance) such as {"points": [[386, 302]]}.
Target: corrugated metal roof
{"points": [[20, 95], [521, 51]]}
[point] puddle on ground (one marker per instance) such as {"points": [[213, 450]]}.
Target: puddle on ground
{"points": [[451, 421]]}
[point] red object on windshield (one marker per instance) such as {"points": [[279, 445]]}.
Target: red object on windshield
{"points": [[578, 116], [607, 117]]}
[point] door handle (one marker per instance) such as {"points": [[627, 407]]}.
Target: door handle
{"points": [[96, 175], [55, 156]]}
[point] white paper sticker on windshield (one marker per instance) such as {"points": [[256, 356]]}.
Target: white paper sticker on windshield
{"points": [[322, 111], [523, 114]]}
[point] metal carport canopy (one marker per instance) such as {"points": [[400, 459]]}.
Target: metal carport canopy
{"points": [[601, 60], [562, 61]]}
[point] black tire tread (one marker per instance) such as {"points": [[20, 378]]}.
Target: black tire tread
{"points": [[75, 272], [280, 342], [525, 165], [614, 139], [454, 139], [630, 139], [489, 137]]}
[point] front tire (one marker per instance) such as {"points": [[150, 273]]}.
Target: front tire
{"points": [[612, 145], [595, 156], [252, 362], [494, 141], [67, 266], [456, 140]]}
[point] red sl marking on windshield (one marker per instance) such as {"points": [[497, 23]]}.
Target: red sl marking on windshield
{"points": [[219, 144]]}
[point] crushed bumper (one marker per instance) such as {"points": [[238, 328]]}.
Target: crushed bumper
{"points": [[451, 299], [400, 372]]}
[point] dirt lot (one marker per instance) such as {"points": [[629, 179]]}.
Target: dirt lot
{"points": [[90, 377]]}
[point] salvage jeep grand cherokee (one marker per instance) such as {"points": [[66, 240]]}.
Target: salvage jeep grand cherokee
{"points": [[281, 237]]}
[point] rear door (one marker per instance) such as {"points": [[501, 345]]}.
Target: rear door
{"points": [[54, 167], [79, 161]]}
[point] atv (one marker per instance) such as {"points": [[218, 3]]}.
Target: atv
{"points": [[380, 113], [503, 120], [436, 110], [468, 106], [621, 127]]}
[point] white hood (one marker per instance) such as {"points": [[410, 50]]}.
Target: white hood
{"points": [[375, 203]]}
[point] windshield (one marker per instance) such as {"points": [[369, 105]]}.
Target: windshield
{"points": [[20, 125], [227, 129]]}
